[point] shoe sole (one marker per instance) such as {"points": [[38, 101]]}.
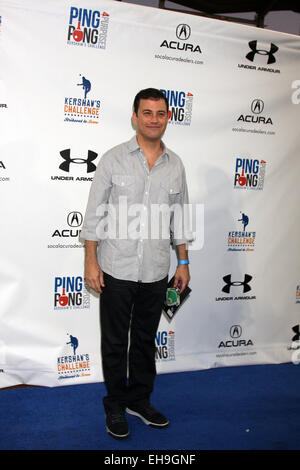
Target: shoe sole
{"points": [[117, 436], [149, 423]]}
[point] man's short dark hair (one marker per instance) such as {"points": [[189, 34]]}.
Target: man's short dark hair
{"points": [[149, 93]]}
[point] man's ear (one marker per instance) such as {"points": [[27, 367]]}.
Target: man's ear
{"points": [[134, 119]]}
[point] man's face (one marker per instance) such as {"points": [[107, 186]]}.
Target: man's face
{"points": [[151, 119]]}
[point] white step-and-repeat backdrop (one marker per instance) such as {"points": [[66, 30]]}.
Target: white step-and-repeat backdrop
{"points": [[69, 72]]}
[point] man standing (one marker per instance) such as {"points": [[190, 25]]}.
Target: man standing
{"points": [[130, 268]]}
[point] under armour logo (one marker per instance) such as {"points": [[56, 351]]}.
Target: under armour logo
{"points": [[183, 31], [65, 166], [297, 331], [253, 46], [245, 283]]}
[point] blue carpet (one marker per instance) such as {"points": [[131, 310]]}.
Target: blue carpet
{"points": [[232, 408]]}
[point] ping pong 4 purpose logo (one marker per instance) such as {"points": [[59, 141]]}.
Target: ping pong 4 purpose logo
{"points": [[249, 173], [70, 293], [180, 106], [165, 346], [87, 28]]}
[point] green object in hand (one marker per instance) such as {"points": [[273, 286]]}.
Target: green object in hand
{"points": [[172, 298]]}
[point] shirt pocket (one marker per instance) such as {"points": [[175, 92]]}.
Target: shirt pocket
{"points": [[170, 191], [122, 185]]}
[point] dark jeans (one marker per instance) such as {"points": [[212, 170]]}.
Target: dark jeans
{"points": [[129, 313]]}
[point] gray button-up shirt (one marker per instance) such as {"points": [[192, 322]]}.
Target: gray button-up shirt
{"points": [[127, 212]]}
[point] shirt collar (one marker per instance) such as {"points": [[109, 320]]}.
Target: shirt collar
{"points": [[133, 146]]}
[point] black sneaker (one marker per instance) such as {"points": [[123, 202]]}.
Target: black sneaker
{"points": [[116, 425], [149, 415]]}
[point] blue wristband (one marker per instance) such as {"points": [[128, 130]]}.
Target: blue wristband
{"points": [[183, 261]]}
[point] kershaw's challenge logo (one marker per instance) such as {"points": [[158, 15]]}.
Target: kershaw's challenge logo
{"points": [[241, 240], [87, 28], [72, 364], [85, 110], [180, 106]]}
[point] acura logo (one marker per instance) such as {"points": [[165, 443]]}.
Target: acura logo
{"points": [[270, 53], [74, 219], [65, 166], [257, 106], [183, 31], [229, 283], [235, 331]]}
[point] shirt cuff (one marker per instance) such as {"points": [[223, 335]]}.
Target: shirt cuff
{"points": [[86, 235]]}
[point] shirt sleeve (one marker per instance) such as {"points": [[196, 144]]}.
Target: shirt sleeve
{"points": [[180, 215], [98, 195]]}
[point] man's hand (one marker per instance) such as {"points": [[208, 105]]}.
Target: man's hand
{"points": [[94, 276], [182, 274]]}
